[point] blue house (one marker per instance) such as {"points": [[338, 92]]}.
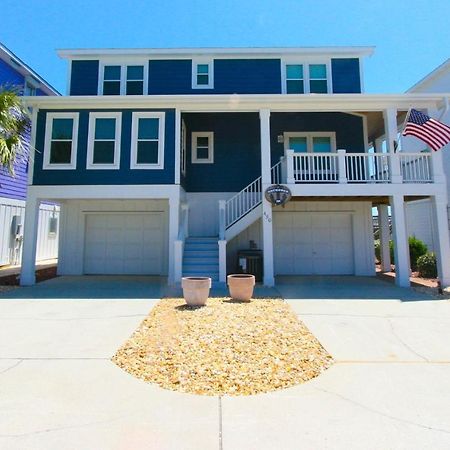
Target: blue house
{"points": [[13, 190], [161, 158]]}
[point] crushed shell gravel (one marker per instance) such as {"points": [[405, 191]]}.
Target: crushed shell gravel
{"points": [[227, 347]]}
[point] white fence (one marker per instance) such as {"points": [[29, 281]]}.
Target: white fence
{"points": [[12, 216]]}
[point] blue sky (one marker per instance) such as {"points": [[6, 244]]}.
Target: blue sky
{"points": [[411, 37]]}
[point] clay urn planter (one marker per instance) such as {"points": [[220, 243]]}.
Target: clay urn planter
{"points": [[196, 290], [241, 286]]}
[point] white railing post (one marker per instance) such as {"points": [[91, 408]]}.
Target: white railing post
{"points": [[396, 171], [185, 218], [222, 219], [283, 161], [222, 261], [290, 177], [342, 170], [438, 167], [178, 260]]}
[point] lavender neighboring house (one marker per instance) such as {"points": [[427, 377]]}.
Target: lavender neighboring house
{"points": [[13, 190]]}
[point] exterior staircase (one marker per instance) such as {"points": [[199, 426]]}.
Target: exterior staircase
{"points": [[201, 257]]}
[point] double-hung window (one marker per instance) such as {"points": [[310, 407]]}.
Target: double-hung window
{"points": [[202, 74], [147, 140], [104, 141], [60, 148], [305, 78], [203, 147], [111, 80], [123, 79]]}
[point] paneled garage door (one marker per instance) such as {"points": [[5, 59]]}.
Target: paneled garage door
{"points": [[129, 244], [313, 243]]}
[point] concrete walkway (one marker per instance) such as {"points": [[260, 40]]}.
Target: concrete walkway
{"points": [[388, 389]]}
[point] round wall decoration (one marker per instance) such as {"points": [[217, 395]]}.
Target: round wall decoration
{"points": [[277, 194]]}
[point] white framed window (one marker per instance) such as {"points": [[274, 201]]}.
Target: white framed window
{"points": [[123, 79], [103, 150], [306, 77], [202, 147], [310, 142], [147, 140], [61, 138], [202, 73], [30, 87]]}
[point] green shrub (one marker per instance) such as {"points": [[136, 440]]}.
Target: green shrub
{"points": [[426, 265], [417, 248]]}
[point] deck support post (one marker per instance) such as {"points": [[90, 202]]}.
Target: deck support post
{"points": [[439, 203], [266, 180], [174, 225], [28, 270], [383, 224], [401, 247]]}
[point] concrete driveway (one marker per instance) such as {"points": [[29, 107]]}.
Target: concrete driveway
{"points": [[388, 389]]}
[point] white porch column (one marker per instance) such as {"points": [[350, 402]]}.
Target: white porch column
{"points": [[383, 223], [264, 115], [174, 221], [390, 127], [28, 270], [401, 247], [443, 247], [378, 145], [177, 146]]}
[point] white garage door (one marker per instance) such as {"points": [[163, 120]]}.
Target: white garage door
{"points": [[129, 244], [313, 243]]}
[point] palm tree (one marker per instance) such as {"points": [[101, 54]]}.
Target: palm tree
{"points": [[14, 128]]}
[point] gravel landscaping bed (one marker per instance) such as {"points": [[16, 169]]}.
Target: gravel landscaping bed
{"points": [[227, 347]]}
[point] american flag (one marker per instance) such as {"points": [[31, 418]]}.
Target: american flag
{"points": [[436, 134]]}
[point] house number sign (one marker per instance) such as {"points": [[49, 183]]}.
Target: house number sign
{"points": [[277, 194]]}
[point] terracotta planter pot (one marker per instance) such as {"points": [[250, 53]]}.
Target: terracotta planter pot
{"points": [[196, 290], [241, 286]]}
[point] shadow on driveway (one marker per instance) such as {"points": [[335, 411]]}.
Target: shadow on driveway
{"points": [[345, 288]]}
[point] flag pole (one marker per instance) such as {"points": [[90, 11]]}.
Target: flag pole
{"points": [[406, 120]]}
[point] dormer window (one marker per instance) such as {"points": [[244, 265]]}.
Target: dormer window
{"points": [[306, 78], [202, 74], [123, 79]]}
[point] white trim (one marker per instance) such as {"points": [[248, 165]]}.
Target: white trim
{"points": [[134, 134], [194, 158], [306, 62], [32, 149], [123, 74], [309, 135], [48, 138], [183, 155], [245, 102], [69, 77], [177, 146], [91, 139], [203, 61], [231, 52]]}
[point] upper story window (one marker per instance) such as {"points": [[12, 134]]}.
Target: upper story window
{"points": [[123, 79], [30, 88], [147, 140], [104, 141], [314, 142], [61, 133], [306, 78], [202, 74], [203, 147]]}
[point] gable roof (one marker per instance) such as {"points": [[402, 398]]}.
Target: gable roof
{"points": [[440, 70], [17, 64]]}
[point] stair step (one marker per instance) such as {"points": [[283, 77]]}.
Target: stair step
{"points": [[201, 267], [201, 248], [200, 260]]}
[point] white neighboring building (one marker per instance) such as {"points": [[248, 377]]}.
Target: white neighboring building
{"points": [[419, 214]]}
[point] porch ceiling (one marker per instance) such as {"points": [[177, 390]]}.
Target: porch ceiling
{"points": [[375, 122]]}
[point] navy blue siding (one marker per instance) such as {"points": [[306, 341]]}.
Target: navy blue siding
{"points": [[84, 78], [124, 175], [349, 129], [346, 76], [237, 154], [231, 76]]}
